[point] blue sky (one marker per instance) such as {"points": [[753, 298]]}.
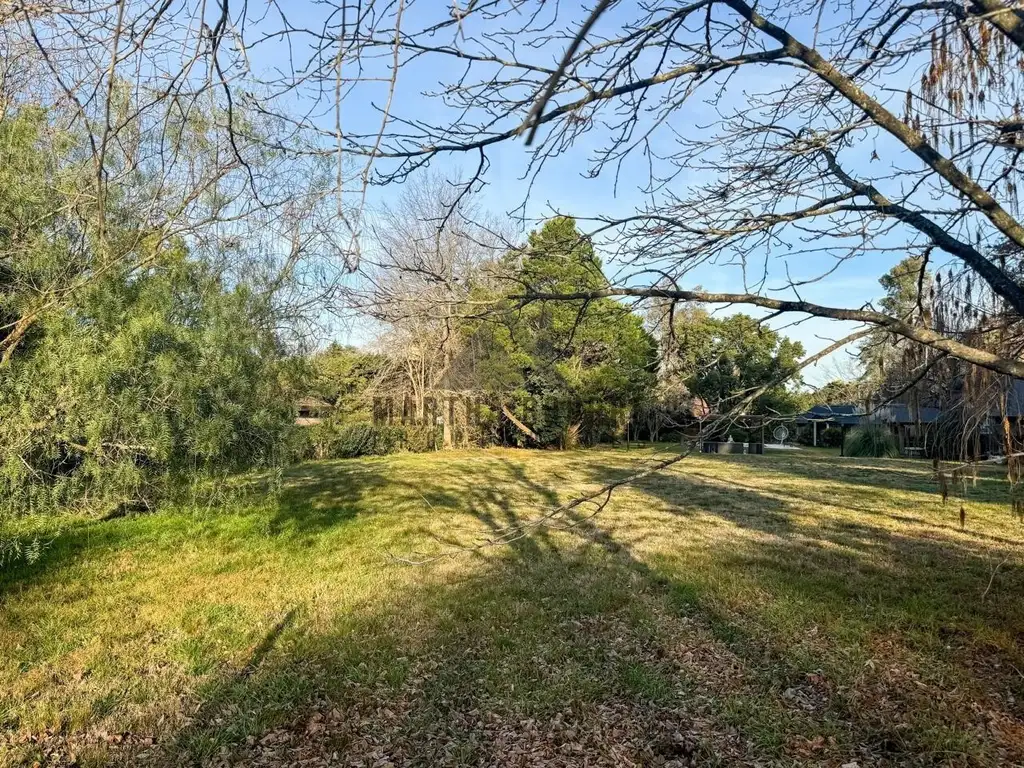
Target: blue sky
{"points": [[562, 185]]}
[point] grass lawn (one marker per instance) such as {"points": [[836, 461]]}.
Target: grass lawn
{"points": [[793, 608]]}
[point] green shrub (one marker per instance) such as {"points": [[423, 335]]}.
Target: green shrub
{"points": [[130, 370], [803, 435], [140, 387], [337, 440], [830, 437], [872, 441], [417, 439]]}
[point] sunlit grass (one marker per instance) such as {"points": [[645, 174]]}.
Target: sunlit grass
{"points": [[791, 607]]}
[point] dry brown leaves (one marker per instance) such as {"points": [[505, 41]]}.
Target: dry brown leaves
{"points": [[362, 736]]}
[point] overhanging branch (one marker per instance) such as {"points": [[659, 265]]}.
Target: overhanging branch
{"points": [[919, 334]]}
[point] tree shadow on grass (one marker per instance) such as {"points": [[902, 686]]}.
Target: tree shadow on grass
{"points": [[856, 558], [885, 475], [586, 640], [313, 497], [567, 642], [942, 607], [761, 495], [63, 549], [539, 654], [321, 495], [878, 503], [546, 650]]}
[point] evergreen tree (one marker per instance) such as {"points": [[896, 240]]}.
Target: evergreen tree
{"points": [[569, 370], [882, 353], [722, 359], [124, 376]]}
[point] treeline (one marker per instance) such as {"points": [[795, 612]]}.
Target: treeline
{"points": [[545, 374], [134, 365]]}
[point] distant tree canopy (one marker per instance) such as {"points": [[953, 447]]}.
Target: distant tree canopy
{"points": [[571, 369], [908, 294], [344, 377], [839, 392], [568, 372], [722, 359]]}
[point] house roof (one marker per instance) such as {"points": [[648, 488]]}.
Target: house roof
{"points": [[313, 402], [898, 413], [840, 413], [1015, 399], [836, 409]]}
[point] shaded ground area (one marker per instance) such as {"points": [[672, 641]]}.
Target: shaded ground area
{"points": [[748, 610]]}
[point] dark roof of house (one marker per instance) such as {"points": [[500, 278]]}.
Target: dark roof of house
{"points": [[849, 414], [898, 413], [842, 414], [1015, 399], [839, 409]]}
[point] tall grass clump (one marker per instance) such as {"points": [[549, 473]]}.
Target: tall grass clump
{"points": [[872, 442]]}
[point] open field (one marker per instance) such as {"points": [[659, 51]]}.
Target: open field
{"points": [[794, 608]]}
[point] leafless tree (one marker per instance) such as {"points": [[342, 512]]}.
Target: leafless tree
{"points": [[156, 98], [431, 250], [840, 131], [833, 131]]}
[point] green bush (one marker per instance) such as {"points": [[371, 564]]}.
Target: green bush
{"points": [[830, 437], [803, 435], [417, 439], [142, 386], [337, 440], [130, 370], [872, 441]]}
